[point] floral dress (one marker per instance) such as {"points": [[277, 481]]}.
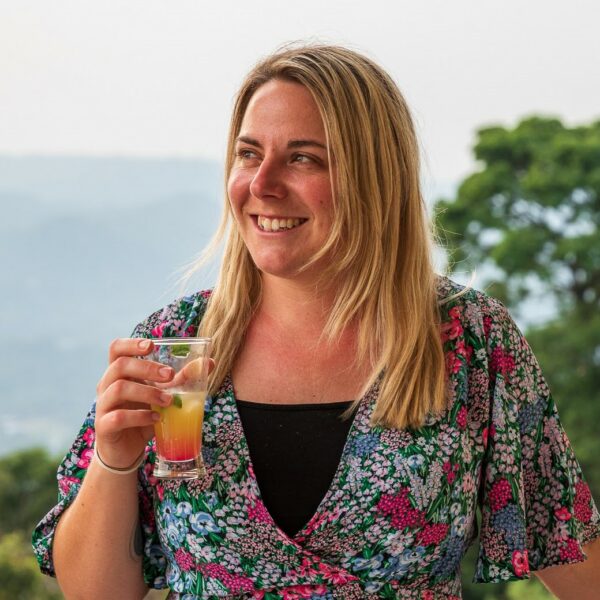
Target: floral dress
{"points": [[400, 511]]}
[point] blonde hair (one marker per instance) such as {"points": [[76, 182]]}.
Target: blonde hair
{"points": [[381, 237]]}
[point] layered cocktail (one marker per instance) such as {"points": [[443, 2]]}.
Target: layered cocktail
{"points": [[178, 433]]}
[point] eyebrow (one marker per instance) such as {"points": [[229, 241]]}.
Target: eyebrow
{"points": [[291, 144]]}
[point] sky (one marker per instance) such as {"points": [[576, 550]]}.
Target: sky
{"points": [[157, 78]]}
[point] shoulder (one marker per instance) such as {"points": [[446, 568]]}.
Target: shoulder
{"points": [[456, 300], [179, 318]]}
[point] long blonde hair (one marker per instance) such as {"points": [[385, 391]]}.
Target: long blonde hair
{"points": [[381, 237]]}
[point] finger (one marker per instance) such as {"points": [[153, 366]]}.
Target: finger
{"points": [[126, 367], [118, 420], [195, 371], [129, 347], [124, 391]]}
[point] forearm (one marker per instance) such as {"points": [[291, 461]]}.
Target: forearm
{"points": [[94, 546], [577, 581]]}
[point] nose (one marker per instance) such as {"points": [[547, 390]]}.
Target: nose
{"points": [[269, 180]]}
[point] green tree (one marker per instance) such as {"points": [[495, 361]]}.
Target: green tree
{"points": [[19, 575], [27, 488], [532, 212], [27, 492]]}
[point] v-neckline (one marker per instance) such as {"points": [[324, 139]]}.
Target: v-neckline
{"points": [[300, 535]]}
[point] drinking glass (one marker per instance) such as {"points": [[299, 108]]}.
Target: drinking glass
{"points": [[179, 431]]}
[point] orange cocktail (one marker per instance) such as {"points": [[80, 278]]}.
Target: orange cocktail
{"points": [[179, 431]]}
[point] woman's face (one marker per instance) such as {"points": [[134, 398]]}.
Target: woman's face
{"points": [[280, 185]]}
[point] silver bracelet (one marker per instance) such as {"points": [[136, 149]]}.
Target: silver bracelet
{"points": [[121, 470]]}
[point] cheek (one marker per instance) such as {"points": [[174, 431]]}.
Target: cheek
{"points": [[238, 186]]}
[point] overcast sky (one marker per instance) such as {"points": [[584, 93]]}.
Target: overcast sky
{"points": [[157, 78]]}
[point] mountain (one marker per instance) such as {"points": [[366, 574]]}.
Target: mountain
{"points": [[88, 248]]}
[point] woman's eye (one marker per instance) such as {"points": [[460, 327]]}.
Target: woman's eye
{"points": [[245, 154], [302, 158]]}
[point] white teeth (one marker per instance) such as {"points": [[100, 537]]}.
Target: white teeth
{"points": [[267, 224]]}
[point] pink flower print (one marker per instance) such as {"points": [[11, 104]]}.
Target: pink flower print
{"points": [[294, 592], [581, 505], [89, 436], [455, 312], [239, 584], [259, 512], [571, 551], [315, 523], [336, 575], [450, 471], [427, 595], [184, 559], [463, 350], [66, 483], [501, 362], [451, 330], [85, 458], [461, 417], [160, 491], [234, 583], [562, 513], [149, 470], [520, 563], [487, 326], [488, 432], [189, 331], [399, 508], [452, 362], [432, 534], [499, 495], [306, 569], [157, 332]]}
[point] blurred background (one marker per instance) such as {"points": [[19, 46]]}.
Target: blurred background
{"points": [[113, 120]]}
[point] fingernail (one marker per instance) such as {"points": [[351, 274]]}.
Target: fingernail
{"points": [[144, 345], [165, 372], [155, 416], [165, 398]]}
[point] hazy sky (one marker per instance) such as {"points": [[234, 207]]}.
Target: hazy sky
{"points": [[157, 78]]}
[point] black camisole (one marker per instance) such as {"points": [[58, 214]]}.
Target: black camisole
{"points": [[295, 451]]}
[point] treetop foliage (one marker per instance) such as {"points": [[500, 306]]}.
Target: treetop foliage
{"points": [[532, 211]]}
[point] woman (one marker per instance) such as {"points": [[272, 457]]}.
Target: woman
{"points": [[327, 304]]}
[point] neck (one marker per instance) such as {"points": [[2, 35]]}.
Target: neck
{"points": [[289, 306]]}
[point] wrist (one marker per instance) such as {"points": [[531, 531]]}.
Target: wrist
{"points": [[120, 470]]}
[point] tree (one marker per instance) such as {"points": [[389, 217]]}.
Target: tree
{"points": [[532, 212], [27, 489], [19, 575]]}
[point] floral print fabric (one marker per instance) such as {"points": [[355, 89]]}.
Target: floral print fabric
{"points": [[400, 511]]}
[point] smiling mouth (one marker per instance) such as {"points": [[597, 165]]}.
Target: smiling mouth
{"points": [[278, 223]]}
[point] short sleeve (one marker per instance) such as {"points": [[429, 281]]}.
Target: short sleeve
{"points": [[536, 507]]}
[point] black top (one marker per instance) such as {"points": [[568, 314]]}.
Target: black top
{"points": [[295, 451]]}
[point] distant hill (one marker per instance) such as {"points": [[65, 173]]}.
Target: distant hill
{"points": [[88, 247]]}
